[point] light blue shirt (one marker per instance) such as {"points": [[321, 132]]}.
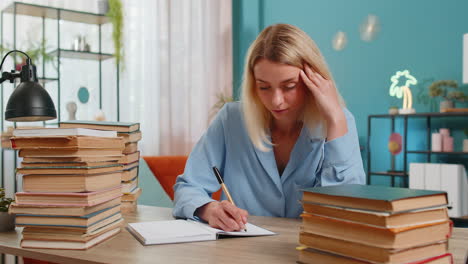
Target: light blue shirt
{"points": [[252, 176]]}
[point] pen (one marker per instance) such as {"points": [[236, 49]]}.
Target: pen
{"points": [[225, 189]]}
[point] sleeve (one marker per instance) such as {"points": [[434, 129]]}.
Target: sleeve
{"points": [[342, 162], [194, 187]]}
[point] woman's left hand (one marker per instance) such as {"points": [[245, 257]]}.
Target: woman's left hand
{"points": [[326, 98]]}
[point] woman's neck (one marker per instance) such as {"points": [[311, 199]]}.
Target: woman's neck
{"points": [[286, 128]]}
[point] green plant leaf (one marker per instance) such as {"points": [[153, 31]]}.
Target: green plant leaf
{"points": [[115, 16]]}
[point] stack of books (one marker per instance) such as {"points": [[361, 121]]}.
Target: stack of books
{"points": [[71, 187], [131, 134], [374, 224]]}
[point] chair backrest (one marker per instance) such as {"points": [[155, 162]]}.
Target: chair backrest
{"points": [[166, 169]]}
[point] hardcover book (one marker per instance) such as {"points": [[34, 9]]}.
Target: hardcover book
{"points": [[376, 198], [67, 142], [36, 132], [69, 199], [50, 183], [102, 125]]}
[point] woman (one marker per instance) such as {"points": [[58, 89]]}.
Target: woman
{"points": [[290, 131]]}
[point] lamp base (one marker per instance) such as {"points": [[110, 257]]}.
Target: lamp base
{"points": [[405, 111]]}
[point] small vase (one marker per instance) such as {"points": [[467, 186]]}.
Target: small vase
{"points": [[445, 104], [393, 111], [7, 222]]}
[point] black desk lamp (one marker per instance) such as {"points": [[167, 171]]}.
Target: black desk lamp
{"points": [[29, 101]]}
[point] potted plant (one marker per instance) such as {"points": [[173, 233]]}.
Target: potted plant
{"points": [[440, 88], [36, 51], [115, 16], [222, 100], [7, 221]]}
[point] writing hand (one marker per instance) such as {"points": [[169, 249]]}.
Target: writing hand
{"points": [[223, 215]]}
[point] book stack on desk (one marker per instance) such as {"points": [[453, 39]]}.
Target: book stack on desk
{"points": [[374, 224], [71, 187], [131, 134]]}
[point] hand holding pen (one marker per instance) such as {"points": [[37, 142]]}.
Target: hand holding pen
{"points": [[223, 215]]}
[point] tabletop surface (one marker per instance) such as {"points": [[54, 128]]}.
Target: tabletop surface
{"points": [[124, 248]]}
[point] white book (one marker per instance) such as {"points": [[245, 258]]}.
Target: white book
{"points": [[432, 176], [43, 132], [180, 231], [416, 175], [453, 181]]}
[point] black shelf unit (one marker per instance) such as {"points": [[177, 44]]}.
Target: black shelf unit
{"points": [[58, 14], [404, 173]]}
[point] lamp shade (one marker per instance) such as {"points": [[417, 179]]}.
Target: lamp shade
{"points": [[30, 102]]}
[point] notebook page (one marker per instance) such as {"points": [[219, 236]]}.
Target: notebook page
{"points": [[160, 230], [252, 230]]}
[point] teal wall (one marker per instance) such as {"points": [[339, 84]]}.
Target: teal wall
{"points": [[423, 36]]}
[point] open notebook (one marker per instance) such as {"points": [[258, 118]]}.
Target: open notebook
{"points": [[179, 231]]}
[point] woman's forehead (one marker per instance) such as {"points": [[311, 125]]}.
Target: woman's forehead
{"points": [[270, 71]]}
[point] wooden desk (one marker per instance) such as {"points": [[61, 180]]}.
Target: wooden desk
{"points": [[124, 248]]}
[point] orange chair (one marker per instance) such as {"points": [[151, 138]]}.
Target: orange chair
{"points": [[166, 169]]}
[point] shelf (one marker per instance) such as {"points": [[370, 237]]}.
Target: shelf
{"points": [[435, 114], [385, 173], [437, 152], [46, 80], [83, 55], [52, 12]]}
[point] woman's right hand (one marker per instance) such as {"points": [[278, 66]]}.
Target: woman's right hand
{"points": [[223, 215]]}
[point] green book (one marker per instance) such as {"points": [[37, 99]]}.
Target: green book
{"points": [[374, 198], [122, 127]]}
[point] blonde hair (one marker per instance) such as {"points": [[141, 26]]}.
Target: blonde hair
{"points": [[285, 44]]}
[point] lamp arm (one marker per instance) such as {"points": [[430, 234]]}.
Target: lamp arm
{"points": [[11, 76]]}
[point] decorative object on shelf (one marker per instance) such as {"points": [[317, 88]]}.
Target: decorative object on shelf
{"points": [[440, 88], [76, 43], [80, 44], [395, 143], [369, 28], [7, 221], [403, 91], [339, 41], [393, 110], [83, 95], [29, 101], [423, 97], [115, 16], [100, 116], [71, 109], [103, 6], [447, 144], [436, 142], [447, 140]]}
